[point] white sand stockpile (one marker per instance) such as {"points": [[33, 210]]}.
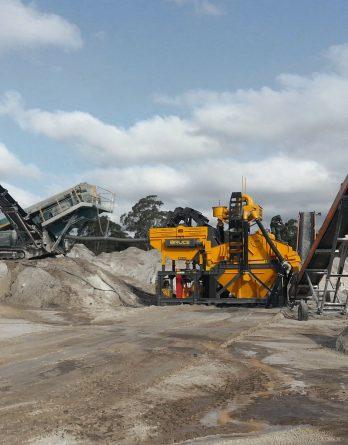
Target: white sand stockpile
{"points": [[132, 262], [81, 280]]}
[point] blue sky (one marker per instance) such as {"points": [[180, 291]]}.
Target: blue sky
{"points": [[176, 97]]}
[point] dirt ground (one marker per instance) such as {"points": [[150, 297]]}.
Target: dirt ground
{"points": [[163, 375]]}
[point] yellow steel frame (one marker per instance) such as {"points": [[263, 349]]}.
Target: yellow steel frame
{"points": [[256, 281]]}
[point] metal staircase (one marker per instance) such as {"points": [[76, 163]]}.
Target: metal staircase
{"points": [[320, 277]]}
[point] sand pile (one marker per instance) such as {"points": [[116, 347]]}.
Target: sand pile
{"points": [[343, 289], [135, 263], [80, 280]]}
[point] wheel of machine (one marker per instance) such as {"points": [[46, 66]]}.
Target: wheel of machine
{"points": [[303, 311]]}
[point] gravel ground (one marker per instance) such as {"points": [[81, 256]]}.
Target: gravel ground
{"points": [[163, 375], [83, 361]]}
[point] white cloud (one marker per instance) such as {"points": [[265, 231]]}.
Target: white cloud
{"points": [[204, 7], [11, 166], [290, 142], [337, 56], [157, 139], [24, 26], [277, 182], [23, 197]]}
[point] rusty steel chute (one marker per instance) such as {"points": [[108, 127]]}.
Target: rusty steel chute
{"points": [[319, 277]]}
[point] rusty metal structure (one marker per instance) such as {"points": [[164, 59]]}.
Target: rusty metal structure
{"points": [[323, 268]]}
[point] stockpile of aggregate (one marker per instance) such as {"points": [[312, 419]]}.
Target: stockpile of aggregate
{"points": [[133, 262], [80, 280]]}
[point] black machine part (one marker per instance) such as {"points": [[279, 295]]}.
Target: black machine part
{"points": [[186, 216], [26, 239], [19, 220]]}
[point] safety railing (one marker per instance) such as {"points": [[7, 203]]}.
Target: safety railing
{"points": [[81, 194]]}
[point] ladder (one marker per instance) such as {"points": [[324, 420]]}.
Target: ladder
{"points": [[320, 278], [235, 228]]}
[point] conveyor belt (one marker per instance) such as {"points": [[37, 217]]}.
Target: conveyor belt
{"points": [[328, 240], [18, 218], [40, 229]]}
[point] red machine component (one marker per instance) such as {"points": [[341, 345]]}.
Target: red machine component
{"points": [[179, 286]]}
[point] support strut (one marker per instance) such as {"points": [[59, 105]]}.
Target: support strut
{"points": [[269, 241]]}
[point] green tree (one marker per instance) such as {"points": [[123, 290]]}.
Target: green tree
{"points": [[277, 227], [290, 235], [145, 213], [285, 231], [104, 227]]}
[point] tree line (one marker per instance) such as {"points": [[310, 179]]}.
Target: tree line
{"points": [[147, 213]]}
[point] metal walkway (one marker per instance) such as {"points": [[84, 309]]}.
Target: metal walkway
{"points": [[83, 200], [318, 279]]}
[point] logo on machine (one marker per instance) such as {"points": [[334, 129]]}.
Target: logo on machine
{"points": [[180, 243]]}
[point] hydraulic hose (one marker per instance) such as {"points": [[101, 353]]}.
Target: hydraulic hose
{"points": [[285, 264]]}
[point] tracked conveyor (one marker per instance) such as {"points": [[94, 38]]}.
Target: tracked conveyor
{"points": [[41, 229], [317, 278], [26, 237]]}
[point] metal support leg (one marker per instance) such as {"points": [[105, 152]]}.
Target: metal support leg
{"points": [[232, 280], [314, 292], [332, 256], [67, 226], [340, 269]]}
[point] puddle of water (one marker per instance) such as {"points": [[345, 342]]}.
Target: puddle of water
{"points": [[49, 316], [298, 386], [248, 353], [212, 418], [10, 328], [280, 435], [221, 416]]}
